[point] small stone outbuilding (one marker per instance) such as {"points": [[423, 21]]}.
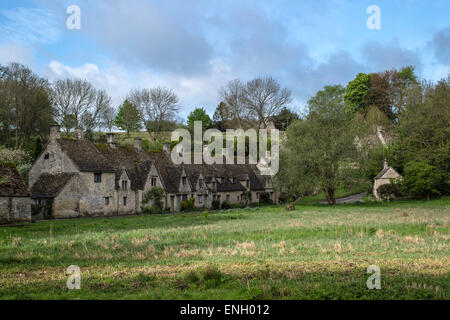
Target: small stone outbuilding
{"points": [[15, 198], [384, 177]]}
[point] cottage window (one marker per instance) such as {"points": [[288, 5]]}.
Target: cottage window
{"points": [[124, 185], [214, 197], [200, 199], [200, 183], [124, 201], [153, 182], [237, 198], [228, 197], [106, 201], [97, 177], [247, 183], [46, 156], [214, 185], [234, 180], [183, 181], [184, 197]]}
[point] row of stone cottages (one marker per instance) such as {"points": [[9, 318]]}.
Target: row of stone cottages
{"points": [[75, 177]]}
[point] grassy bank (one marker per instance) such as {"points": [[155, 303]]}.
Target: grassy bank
{"points": [[313, 252]]}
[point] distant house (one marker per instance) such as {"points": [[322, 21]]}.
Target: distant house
{"points": [[384, 177], [15, 200]]}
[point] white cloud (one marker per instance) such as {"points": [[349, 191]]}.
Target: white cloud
{"points": [[192, 91]]}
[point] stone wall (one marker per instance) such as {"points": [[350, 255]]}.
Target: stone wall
{"points": [[15, 209], [56, 162]]}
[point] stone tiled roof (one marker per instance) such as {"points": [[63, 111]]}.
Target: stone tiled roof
{"points": [[86, 155], [226, 185], [11, 183], [49, 185], [137, 164], [383, 172]]}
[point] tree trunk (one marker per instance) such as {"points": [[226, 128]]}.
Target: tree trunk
{"points": [[331, 199]]}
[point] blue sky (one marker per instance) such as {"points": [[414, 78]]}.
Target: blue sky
{"points": [[195, 47]]}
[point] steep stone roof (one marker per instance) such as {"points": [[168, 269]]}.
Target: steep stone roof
{"points": [[86, 155], [137, 164], [384, 171], [11, 183], [49, 185]]}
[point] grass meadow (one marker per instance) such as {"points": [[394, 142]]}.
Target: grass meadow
{"points": [[314, 252]]}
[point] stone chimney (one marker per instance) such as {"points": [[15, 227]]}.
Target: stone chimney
{"points": [[110, 139], [385, 163], [380, 135], [166, 147], [138, 144], [55, 132], [79, 134]]}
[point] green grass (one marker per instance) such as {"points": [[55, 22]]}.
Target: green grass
{"points": [[340, 193], [314, 252]]}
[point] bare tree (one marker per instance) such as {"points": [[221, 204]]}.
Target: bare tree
{"points": [[255, 101], [233, 97], [157, 105], [79, 99], [263, 98], [109, 116]]}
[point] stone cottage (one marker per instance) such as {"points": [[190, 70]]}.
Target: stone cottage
{"points": [[75, 177], [384, 177], [15, 200]]}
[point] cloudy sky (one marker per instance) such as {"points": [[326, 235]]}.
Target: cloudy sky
{"points": [[195, 47]]}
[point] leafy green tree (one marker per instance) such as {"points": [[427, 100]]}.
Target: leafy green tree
{"points": [[421, 180], [25, 105], [283, 119], [423, 130], [69, 122], [199, 114], [128, 118], [319, 150], [356, 94]]}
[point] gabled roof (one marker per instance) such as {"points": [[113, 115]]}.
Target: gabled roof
{"points": [[11, 183], [384, 171], [137, 164], [50, 185]]}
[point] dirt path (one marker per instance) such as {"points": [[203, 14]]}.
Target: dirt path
{"points": [[350, 199]]}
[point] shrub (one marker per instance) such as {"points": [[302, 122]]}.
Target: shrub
{"points": [[215, 205], [225, 205], [290, 206], [187, 204], [156, 195], [283, 198], [389, 191], [422, 180], [183, 205]]}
